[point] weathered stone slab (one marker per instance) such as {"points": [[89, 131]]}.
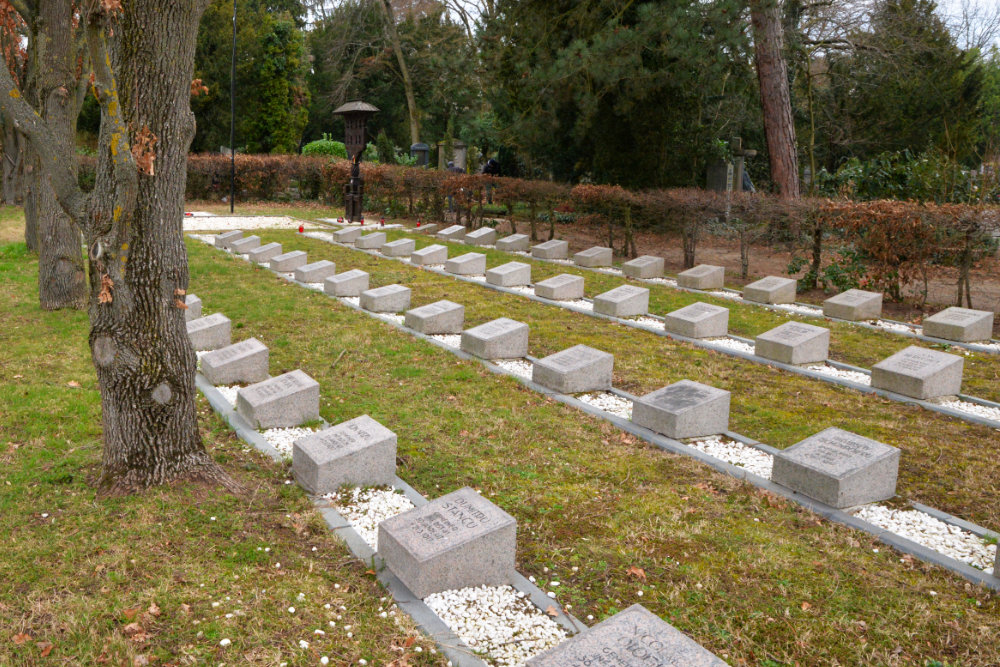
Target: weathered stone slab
{"points": [[289, 261], [265, 253], [316, 272], [482, 236], [511, 274], [427, 228], [452, 233], [685, 409], [280, 402], [245, 244], [514, 243], [245, 362], [440, 317], [632, 638], [358, 452], [854, 305], [623, 301], [371, 241], [432, 254], [399, 248], [699, 320], [773, 289], [564, 287], [388, 299], [592, 257], [703, 276], [348, 283], [919, 373], [554, 249], [794, 343], [644, 266], [458, 540], [469, 264], [209, 333], [224, 239], [961, 324], [839, 468], [193, 304], [348, 235], [502, 338], [575, 369]]}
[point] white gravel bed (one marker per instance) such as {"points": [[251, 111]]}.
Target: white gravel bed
{"points": [[369, 507], [670, 282], [229, 393], [481, 278], [226, 223], [523, 289], [895, 327], [801, 310], [522, 253], [973, 409], [204, 238], [434, 267], [610, 403], [731, 343], [282, 439], [579, 304], [993, 347], [315, 286], [199, 214], [610, 271], [390, 317], [497, 621], [856, 377], [735, 453], [451, 340], [353, 300], [520, 367], [932, 533], [722, 294], [201, 353], [564, 262], [648, 322], [320, 236]]}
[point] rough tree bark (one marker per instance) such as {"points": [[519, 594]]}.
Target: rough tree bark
{"points": [[772, 74], [13, 166], [411, 100], [132, 227]]}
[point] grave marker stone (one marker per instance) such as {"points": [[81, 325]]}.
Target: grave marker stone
{"points": [[919, 373], [348, 283], [854, 305], [575, 369], [265, 253], [316, 272], [839, 468], [440, 317], [245, 245], [685, 409], [387, 299], [370, 242], [210, 332], [193, 304], [502, 338], [280, 402], [514, 243], [703, 276], [453, 233], [644, 266], [426, 228], [698, 320], [458, 540], [469, 264], [623, 301], [564, 287], [482, 236], [399, 248], [511, 274], [289, 261], [593, 257], [358, 452], [554, 249], [772, 290], [348, 235], [432, 254], [960, 324], [245, 362], [224, 239], [794, 343]]}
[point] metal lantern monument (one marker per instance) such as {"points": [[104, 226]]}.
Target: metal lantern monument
{"points": [[356, 115]]}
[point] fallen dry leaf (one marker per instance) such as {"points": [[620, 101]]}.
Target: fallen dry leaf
{"points": [[46, 648], [130, 614], [73, 383], [22, 637], [153, 610], [552, 611], [185, 608], [637, 572], [806, 606], [132, 629]]}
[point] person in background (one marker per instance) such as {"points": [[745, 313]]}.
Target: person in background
{"points": [[491, 168]]}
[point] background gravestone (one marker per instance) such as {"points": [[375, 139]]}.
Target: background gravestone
{"points": [[854, 305], [224, 239], [502, 338], [698, 320], [193, 304], [440, 317], [839, 468], [245, 362], [399, 248], [564, 287], [316, 272], [514, 243], [469, 264], [245, 245], [359, 452], [575, 369], [263, 254], [432, 254], [426, 228], [511, 274], [349, 235], [458, 540], [481, 236], [703, 276], [623, 301], [210, 332], [280, 402], [370, 242], [348, 283], [644, 266], [794, 343], [289, 261], [593, 257], [554, 249], [453, 233], [961, 324], [919, 373], [388, 299], [685, 409], [771, 290]]}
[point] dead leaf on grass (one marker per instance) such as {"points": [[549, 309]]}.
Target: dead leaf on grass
{"points": [[552, 611], [153, 610], [21, 637], [133, 629], [806, 606], [74, 384], [46, 648], [637, 572], [130, 614]]}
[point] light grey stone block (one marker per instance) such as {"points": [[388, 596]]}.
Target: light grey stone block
{"points": [[960, 324], [502, 338], [575, 369], [426, 228], [280, 402], [265, 253], [482, 236], [452, 233], [699, 320], [644, 266], [514, 243], [623, 301], [245, 245], [839, 468], [372, 241], [511, 274], [210, 332], [554, 249], [245, 362], [440, 317], [358, 452], [854, 305], [919, 373], [703, 276], [316, 272], [592, 257], [225, 238], [794, 343], [348, 235], [632, 638], [432, 254], [193, 304], [458, 540], [289, 261], [685, 409], [348, 283], [469, 264], [388, 299], [773, 289], [399, 248], [564, 287]]}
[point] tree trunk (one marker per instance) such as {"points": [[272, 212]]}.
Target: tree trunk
{"points": [[13, 166], [772, 73], [29, 195], [411, 100]]}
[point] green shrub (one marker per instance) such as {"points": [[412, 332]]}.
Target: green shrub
{"points": [[325, 146]]}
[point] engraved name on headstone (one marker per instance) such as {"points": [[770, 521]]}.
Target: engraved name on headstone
{"points": [[360, 452]]}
